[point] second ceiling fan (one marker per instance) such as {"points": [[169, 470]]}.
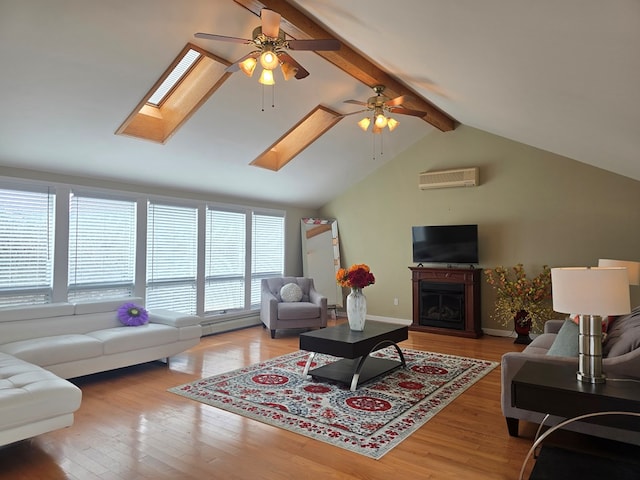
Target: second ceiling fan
{"points": [[271, 47], [379, 105]]}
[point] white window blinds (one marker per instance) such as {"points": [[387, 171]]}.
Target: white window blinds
{"points": [[26, 246], [102, 247], [172, 240], [225, 261], [267, 259]]}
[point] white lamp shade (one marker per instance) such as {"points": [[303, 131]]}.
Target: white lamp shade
{"points": [[591, 291], [633, 268]]}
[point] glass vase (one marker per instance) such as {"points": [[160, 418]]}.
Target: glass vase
{"points": [[356, 309]]}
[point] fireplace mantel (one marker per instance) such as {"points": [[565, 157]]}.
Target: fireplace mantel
{"points": [[470, 278]]}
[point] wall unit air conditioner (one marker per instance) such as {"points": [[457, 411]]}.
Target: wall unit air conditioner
{"points": [[461, 177]]}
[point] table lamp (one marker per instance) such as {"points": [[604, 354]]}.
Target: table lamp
{"points": [[633, 268], [592, 293]]}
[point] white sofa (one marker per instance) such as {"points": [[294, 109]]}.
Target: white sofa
{"points": [[40, 345]]}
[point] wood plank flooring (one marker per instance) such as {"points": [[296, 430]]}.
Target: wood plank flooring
{"points": [[130, 427]]}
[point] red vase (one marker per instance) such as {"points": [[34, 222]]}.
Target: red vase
{"points": [[522, 326]]}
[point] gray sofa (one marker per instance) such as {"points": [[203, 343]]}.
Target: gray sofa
{"points": [[558, 345], [277, 313]]}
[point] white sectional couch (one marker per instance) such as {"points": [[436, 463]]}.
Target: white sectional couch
{"points": [[41, 345]]}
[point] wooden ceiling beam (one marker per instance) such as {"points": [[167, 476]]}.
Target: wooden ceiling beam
{"points": [[299, 26]]}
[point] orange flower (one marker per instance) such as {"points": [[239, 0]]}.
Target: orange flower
{"points": [[357, 276]]}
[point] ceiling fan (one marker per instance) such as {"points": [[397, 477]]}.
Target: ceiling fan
{"points": [[379, 105], [271, 47]]}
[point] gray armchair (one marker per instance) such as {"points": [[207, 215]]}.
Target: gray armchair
{"points": [[277, 313]]}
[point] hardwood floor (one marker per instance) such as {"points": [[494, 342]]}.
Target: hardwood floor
{"points": [[130, 427]]}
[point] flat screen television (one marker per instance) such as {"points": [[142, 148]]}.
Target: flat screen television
{"points": [[445, 244]]}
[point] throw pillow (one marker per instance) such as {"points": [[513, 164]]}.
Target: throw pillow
{"points": [[624, 335], [566, 341], [132, 315], [291, 292]]}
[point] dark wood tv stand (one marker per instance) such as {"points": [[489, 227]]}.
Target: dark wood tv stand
{"points": [[469, 280]]}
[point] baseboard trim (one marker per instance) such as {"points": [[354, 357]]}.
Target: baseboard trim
{"points": [[229, 325]]}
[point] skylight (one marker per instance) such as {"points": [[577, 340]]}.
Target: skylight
{"points": [[193, 76], [180, 70]]}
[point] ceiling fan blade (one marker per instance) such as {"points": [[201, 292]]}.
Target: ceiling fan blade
{"points": [[353, 113], [235, 66], [270, 23], [286, 58], [357, 102], [396, 102], [211, 36], [406, 111], [328, 44]]}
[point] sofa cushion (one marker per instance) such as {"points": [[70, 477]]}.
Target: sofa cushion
{"points": [[28, 312], [103, 306], [29, 393], [298, 311], [45, 351], [124, 339], [291, 292], [566, 341], [623, 335]]}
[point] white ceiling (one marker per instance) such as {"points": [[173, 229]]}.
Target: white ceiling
{"points": [[558, 75]]}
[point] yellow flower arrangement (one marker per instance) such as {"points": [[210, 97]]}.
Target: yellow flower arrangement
{"points": [[517, 293]]}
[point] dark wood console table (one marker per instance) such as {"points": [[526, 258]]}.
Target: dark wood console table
{"points": [[554, 389], [469, 279]]}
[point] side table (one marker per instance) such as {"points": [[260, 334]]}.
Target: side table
{"points": [[555, 390]]}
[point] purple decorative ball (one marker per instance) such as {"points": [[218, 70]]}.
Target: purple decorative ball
{"points": [[133, 315]]}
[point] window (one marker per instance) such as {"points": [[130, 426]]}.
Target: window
{"points": [[26, 246], [267, 248], [102, 247], [172, 254], [225, 261]]}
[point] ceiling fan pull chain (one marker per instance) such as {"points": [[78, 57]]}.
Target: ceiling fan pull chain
{"points": [[373, 146], [273, 96], [262, 104]]}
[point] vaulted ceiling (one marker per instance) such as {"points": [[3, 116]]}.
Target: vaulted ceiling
{"points": [[560, 76]]}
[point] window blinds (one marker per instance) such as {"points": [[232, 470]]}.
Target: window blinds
{"points": [[267, 259], [172, 253], [26, 246], [225, 260], [102, 247]]}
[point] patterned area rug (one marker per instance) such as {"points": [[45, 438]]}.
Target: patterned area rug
{"points": [[370, 421]]}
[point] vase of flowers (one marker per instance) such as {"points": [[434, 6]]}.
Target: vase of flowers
{"points": [[356, 278], [521, 300]]}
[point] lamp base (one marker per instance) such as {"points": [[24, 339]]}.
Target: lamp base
{"points": [[590, 350], [590, 378]]}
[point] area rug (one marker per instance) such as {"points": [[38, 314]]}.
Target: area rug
{"points": [[370, 421]]}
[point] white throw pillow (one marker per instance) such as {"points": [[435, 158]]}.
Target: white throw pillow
{"points": [[291, 292]]}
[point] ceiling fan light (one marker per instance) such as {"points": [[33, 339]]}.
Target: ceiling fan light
{"points": [[288, 71], [266, 77], [269, 60], [364, 123], [381, 121], [248, 66], [392, 123]]}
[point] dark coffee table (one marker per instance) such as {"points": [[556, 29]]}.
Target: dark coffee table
{"points": [[355, 365]]}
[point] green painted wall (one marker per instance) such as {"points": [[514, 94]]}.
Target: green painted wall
{"points": [[531, 206]]}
